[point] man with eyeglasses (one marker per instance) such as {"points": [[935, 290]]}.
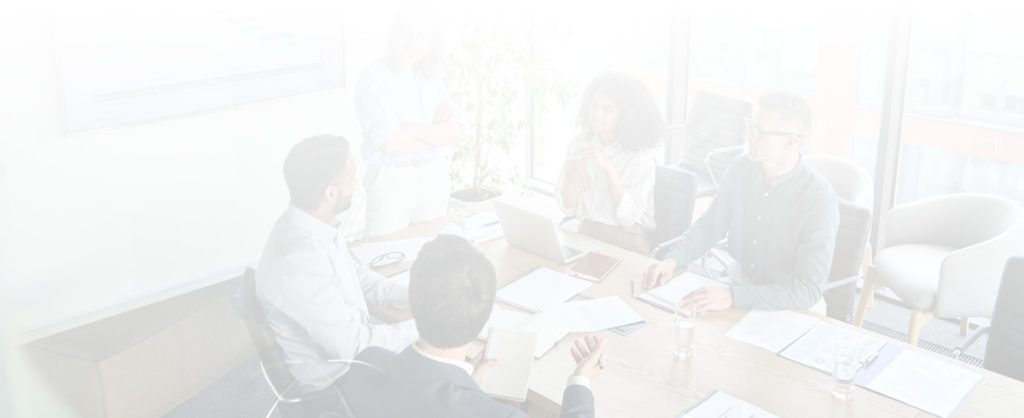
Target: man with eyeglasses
{"points": [[312, 291], [780, 217]]}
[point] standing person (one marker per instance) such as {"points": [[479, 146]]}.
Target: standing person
{"points": [[314, 295], [409, 126], [608, 178]]}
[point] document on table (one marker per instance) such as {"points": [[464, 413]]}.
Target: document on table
{"points": [[479, 227], [594, 315], [541, 289], [924, 382], [669, 294], [549, 329], [816, 348], [771, 330], [409, 248], [722, 405]]}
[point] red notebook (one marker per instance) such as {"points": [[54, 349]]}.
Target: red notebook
{"points": [[594, 267]]}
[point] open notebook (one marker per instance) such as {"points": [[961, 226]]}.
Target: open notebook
{"points": [[514, 351]]}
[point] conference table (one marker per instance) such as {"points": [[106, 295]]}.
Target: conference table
{"points": [[642, 377]]}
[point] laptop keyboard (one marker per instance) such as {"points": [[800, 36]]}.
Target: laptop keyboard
{"points": [[569, 252]]}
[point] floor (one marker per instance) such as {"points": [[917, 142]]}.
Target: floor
{"points": [[242, 393]]}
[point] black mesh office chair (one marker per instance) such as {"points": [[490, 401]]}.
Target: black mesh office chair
{"points": [[847, 260], [289, 401], [714, 133], [674, 194], [1004, 353]]}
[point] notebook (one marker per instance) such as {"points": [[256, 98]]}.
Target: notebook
{"points": [[594, 266], [514, 351]]}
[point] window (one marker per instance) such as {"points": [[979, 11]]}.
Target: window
{"points": [[963, 126]]}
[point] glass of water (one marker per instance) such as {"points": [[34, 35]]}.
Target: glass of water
{"points": [[844, 369], [685, 322]]}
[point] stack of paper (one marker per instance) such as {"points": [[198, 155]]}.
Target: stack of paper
{"points": [[669, 294], [541, 289], [595, 314], [926, 383], [771, 330], [479, 227], [722, 405]]}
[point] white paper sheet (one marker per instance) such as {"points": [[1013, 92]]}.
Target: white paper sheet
{"points": [[549, 329], [669, 294], [816, 348], [510, 377], [595, 314], [723, 405], [479, 227], [771, 330], [410, 248], [540, 289], [926, 383]]}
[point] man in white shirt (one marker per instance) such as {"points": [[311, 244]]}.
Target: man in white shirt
{"points": [[313, 292]]}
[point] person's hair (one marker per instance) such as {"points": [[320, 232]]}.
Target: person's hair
{"points": [[411, 24], [451, 291], [312, 165], [640, 124], [793, 109]]}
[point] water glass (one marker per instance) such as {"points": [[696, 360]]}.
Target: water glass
{"points": [[845, 367], [685, 322]]}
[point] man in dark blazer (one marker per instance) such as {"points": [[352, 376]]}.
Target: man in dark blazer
{"points": [[451, 293]]}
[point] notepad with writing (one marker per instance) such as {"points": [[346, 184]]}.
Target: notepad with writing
{"points": [[513, 349], [594, 266]]}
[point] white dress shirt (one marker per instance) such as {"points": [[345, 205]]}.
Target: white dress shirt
{"points": [[637, 171], [386, 98], [315, 298]]}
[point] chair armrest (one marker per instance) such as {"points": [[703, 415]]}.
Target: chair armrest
{"points": [[970, 341], [835, 284], [714, 154], [970, 277]]}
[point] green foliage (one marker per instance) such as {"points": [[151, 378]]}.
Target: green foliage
{"points": [[493, 76]]}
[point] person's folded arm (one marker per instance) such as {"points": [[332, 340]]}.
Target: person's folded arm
{"points": [[637, 184], [813, 261]]}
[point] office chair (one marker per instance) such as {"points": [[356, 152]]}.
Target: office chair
{"points": [[674, 194], [853, 187], [714, 134], [289, 401], [943, 257], [1006, 332]]}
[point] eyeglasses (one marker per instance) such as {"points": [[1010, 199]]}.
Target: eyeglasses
{"points": [[756, 132], [387, 259]]}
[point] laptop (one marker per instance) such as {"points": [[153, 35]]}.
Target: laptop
{"points": [[535, 233]]}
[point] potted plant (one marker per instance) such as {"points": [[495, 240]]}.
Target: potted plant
{"points": [[493, 76]]}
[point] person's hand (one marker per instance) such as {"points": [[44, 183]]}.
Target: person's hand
{"points": [[481, 365], [443, 113], [576, 175], [709, 299], [589, 353], [659, 273], [594, 155]]}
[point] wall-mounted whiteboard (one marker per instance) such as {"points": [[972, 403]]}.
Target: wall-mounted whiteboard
{"points": [[122, 68]]}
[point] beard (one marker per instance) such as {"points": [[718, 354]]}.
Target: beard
{"points": [[343, 204]]}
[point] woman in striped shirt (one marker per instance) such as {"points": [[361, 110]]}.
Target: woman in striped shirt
{"points": [[607, 181]]}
